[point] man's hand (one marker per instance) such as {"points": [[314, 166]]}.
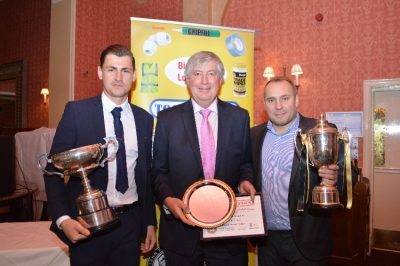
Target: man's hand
{"points": [[150, 240], [246, 187], [329, 174], [178, 209], [74, 230]]}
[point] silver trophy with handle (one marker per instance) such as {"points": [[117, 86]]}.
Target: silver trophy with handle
{"points": [[322, 148], [94, 212]]}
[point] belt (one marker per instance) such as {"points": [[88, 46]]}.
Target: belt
{"points": [[280, 231], [124, 208]]}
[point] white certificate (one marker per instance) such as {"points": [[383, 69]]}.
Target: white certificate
{"points": [[247, 221]]}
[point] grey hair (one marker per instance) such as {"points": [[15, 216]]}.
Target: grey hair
{"points": [[201, 58]]}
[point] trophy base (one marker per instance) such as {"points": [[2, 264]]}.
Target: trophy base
{"points": [[104, 227], [99, 220], [326, 197]]}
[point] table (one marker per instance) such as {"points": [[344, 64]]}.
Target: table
{"points": [[31, 243], [28, 146]]}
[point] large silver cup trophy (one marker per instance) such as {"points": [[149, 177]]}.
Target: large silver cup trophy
{"points": [[322, 147], [94, 211]]}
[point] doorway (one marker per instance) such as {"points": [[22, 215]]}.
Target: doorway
{"points": [[381, 162]]}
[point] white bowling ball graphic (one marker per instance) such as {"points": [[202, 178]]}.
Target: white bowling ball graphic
{"points": [[153, 38], [149, 47], [163, 38]]}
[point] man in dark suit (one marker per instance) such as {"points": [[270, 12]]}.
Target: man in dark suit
{"points": [[295, 236], [178, 163], [87, 122]]}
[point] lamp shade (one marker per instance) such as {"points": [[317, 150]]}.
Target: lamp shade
{"points": [[44, 91], [268, 72], [296, 70]]}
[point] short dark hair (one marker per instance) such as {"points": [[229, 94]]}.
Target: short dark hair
{"points": [[201, 58], [118, 50], [282, 78]]}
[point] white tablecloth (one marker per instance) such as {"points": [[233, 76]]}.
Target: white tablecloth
{"points": [[31, 243], [28, 146]]}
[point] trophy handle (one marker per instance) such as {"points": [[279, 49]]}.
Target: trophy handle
{"points": [[113, 140], [345, 136], [305, 140], [298, 132], [43, 157], [304, 200]]}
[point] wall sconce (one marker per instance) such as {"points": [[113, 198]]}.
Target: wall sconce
{"points": [[296, 71], [44, 92], [268, 72]]}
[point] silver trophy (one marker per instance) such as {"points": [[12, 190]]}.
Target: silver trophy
{"points": [[322, 146], [94, 211]]}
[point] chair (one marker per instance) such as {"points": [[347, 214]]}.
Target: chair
{"points": [[351, 228], [15, 204], [7, 165]]}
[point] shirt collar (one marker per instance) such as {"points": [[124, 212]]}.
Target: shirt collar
{"points": [[110, 105], [213, 106], [293, 127]]}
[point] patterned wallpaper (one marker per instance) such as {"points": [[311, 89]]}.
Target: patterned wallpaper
{"points": [[356, 40], [25, 34]]}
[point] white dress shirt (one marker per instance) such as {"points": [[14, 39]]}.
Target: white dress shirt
{"points": [[131, 147]]}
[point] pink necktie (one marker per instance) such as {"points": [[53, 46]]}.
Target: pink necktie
{"points": [[207, 143]]}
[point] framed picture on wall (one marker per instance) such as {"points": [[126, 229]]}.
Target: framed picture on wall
{"points": [[352, 121]]}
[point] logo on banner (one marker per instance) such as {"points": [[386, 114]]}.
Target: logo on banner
{"points": [[160, 104], [157, 258]]}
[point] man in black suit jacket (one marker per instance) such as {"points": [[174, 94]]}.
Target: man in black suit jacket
{"points": [[295, 237], [87, 122], [178, 163]]}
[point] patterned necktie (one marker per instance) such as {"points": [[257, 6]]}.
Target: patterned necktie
{"points": [[122, 174], [207, 143]]}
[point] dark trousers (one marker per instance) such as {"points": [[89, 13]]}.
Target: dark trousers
{"points": [[214, 253], [117, 246], [279, 249]]}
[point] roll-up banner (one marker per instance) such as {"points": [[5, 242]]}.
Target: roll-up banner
{"points": [[162, 48]]}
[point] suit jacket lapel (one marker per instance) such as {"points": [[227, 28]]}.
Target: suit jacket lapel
{"points": [[296, 158], [139, 129], [98, 118], [224, 121], [189, 125], [305, 124]]}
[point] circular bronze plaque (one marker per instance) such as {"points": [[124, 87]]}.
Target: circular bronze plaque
{"points": [[211, 203]]}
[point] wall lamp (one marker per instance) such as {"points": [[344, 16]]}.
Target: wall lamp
{"points": [[296, 71], [44, 92], [268, 72]]}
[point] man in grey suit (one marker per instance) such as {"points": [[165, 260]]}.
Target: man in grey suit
{"points": [[87, 122], [178, 163], [295, 236]]}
